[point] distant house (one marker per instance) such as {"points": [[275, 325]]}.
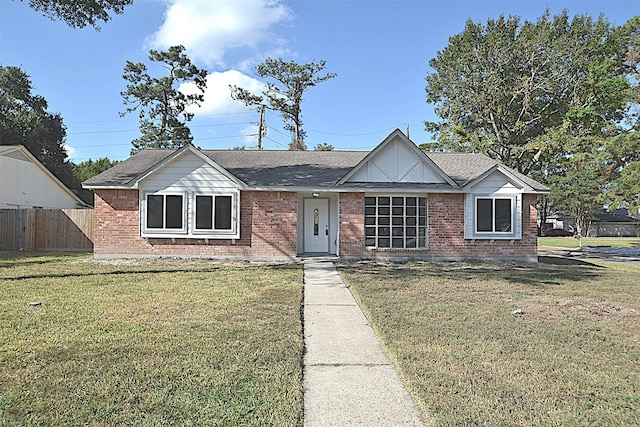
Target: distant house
{"points": [[394, 202], [26, 183], [614, 224]]}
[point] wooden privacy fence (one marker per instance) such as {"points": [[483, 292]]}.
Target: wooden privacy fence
{"points": [[46, 229]]}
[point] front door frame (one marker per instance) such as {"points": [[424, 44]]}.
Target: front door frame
{"points": [[322, 244]]}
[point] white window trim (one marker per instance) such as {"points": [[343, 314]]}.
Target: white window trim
{"points": [[418, 226], [516, 229], [163, 232], [233, 233]]}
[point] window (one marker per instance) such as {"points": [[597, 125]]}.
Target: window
{"points": [[214, 213], [494, 215], [395, 222], [165, 212]]}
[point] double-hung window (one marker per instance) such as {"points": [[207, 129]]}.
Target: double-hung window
{"points": [[165, 213], [395, 222], [494, 215], [214, 213]]}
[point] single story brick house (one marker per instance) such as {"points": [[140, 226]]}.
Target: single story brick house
{"points": [[395, 202]]}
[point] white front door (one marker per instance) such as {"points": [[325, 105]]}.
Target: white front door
{"points": [[316, 225]]}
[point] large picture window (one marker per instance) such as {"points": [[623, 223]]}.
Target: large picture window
{"points": [[165, 212], [395, 222], [494, 215], [214, 213]]}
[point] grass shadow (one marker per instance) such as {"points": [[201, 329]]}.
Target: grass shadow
{"points": [[550, 271]]}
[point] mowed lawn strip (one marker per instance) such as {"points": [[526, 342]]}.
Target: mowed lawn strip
{"points": [[151, 343], [510, 344], [572, 243]]}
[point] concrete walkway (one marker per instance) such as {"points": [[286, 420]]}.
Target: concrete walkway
{"points": [[348, 379]]}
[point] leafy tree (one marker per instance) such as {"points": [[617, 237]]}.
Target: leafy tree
{"points": [[161, 106], [79, 13], [285, 95], [323, 147], [508, 87], [24, 120], [89, 168]]}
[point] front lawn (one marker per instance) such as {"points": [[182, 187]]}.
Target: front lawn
{"points": [[149, 343], [510, 344], [571, 243]]}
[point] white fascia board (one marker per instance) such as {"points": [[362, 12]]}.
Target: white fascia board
{"points": [[346, 189]]}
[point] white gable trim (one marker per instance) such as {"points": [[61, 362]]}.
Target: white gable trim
{"points": [[191, 149], [523, 186], [420, 156], [23, 150]]}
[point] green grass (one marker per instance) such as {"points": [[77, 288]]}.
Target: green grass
{"points": [[149, 344], [570, 242], [572, 358]]}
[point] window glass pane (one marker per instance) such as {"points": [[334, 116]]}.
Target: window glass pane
{"points": [[383, 243], [397, 210], [484, 221], [383, 220], [411, 211], [398, 201], [223, 213], [383, 201], [370, 211], [155, 209], [369, 201], [370, 231], [204, 212], [398, 231], [383, 231], [398, 243], [411, 231], [503, 215], [411, 220], [370, 242], [411, 243], [397, 220], [411, 201], [423, 202], [369, 220], [174, 211], [384, 211]]}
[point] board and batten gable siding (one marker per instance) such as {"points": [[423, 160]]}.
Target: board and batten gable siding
{"points": [[396, 162], [189, 175], [25, 185], [495, 184]]}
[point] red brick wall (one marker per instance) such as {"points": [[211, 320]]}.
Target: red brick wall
{"points": [[445, 232], [351, 227], [268, 222]]}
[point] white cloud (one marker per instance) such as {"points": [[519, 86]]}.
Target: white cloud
{"points": [[217, 97], [71, 152], [209, 28]]}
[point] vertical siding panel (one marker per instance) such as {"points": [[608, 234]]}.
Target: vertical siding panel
{"points": [[46, 229]]}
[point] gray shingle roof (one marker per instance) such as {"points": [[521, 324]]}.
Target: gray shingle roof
{"points": [[282, 168], [287, 168]]}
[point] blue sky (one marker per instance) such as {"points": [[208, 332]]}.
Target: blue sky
{"points": [[380, 50]]}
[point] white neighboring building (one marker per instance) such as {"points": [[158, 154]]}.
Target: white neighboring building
{"points": [[26, 183]]}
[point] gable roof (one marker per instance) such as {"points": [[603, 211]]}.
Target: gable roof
{"points": [[22, 153], [317, 169], [418, 156]]}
